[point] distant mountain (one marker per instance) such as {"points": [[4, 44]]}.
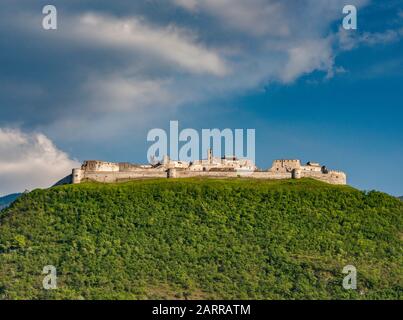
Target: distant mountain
{"points": [[65, 180], [9, 199]]}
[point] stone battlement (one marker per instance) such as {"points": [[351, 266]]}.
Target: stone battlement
{"points": [[226, 167]]}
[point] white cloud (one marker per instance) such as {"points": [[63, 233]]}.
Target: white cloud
{"points": [[119, 93], [170, 44], [389, 36], [349, 40], [187, 4], [256, 17], [29, 161], [278, 47], [129, 67], [308, 57]]}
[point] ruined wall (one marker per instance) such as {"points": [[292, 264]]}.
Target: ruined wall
{"points": [[94, 165], [125, 166], [212, 174], [312, 168], [110, 177], [230, 174], [270, 175], [333, 177], [285, 165], [282, 169], [77, 176]]}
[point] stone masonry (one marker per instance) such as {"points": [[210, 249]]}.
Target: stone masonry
{"points": [[213, 167]]}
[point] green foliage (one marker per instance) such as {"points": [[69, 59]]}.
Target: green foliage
{"points": [[201, 238]]}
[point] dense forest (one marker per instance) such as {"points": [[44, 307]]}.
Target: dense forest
{"points": [[202, 239]]}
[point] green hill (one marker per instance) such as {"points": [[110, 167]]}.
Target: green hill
{"points": [[202, 239]]}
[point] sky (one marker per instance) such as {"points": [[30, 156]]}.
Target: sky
{"points": [[113, 70]]}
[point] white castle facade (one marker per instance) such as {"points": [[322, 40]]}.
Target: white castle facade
{"points": [[213, 167]]}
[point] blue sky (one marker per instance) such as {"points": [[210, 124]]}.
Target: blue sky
{"points": [[111, 72]]}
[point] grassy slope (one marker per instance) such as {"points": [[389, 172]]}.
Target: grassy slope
{"points": [[202, 239]]}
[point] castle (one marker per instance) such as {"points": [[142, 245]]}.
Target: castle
{"points": [[226, 167]]}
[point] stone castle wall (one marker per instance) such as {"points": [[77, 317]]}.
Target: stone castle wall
{"points": [[112, 177], [109, 172], [333, 177]]}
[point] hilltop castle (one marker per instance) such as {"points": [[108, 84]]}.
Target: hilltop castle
{"points": [[226, 167]]}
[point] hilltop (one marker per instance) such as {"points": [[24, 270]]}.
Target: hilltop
{"points": [[202, 239]]}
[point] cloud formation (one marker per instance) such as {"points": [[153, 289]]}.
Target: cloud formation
{"points": [[113, 69], [144, 58], [170, 44], [29, 161], [254, 17], [349, 41], [123, 64]]}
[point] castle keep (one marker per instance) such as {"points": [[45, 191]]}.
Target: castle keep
{"points": [[226, 167]]}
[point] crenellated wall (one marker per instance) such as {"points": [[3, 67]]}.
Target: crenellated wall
{"points": [[285, 165], [333, 177], [109, 172]]}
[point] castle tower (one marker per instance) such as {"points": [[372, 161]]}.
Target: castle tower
{"points": [[171, 173], [77, 175], [296, 173], [210, 155], [166, 160]]}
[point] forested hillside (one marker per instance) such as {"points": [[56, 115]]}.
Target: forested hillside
{"points": [[202, 239]]}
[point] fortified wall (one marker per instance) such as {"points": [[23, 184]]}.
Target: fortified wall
{"points": [[213, 167]]}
